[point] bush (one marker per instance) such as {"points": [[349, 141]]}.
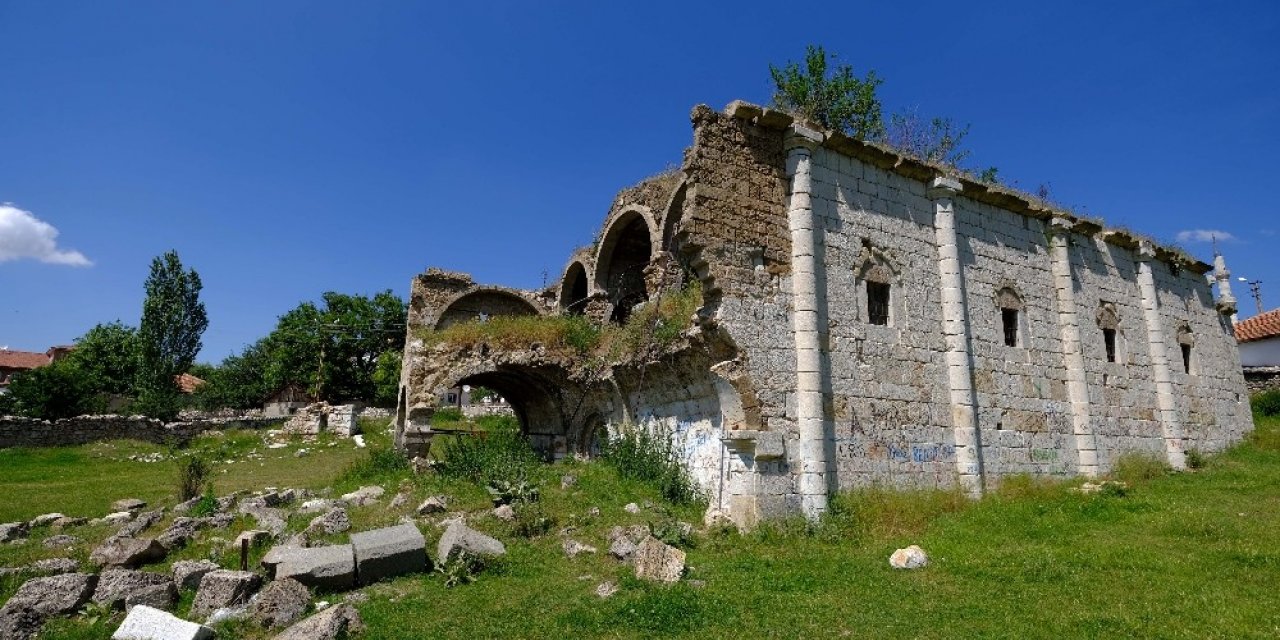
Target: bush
{"points": [[193, 474], [58, 390], [498, 455], [639, 454], [1266, 403], [532, 521], [1195, 459]]}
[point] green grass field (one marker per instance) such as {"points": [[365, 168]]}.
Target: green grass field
{"points": [[1186, 555]]}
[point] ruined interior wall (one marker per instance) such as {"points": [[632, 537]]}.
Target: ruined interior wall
{"points": [[734, 233], [1024, 414]]}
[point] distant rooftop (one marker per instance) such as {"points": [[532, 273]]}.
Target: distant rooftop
{"points": [[1259, 327]]}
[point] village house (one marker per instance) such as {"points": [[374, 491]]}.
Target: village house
{"points": [[1259, 339]]}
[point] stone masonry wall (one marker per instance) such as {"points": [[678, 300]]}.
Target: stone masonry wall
{"points": [[30, 432]]}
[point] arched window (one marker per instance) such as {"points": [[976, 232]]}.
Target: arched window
{"points": [[625, 251], [573, 291]]}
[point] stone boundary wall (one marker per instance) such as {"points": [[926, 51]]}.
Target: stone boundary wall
{"points": [[16, 431], [1259, 379]]}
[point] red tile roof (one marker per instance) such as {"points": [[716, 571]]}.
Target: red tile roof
{"points": [[1259, 327], [22, 359]]}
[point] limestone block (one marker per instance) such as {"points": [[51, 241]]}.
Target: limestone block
{"points": [[187, 574], [335, 521], [11, 531], [326, 567], [387, 552], [460, 537], [222, 588], [161, 596], [54, 595], [48, 518], [127, 552], [141, 523], [116, 585], [339, 621], [55, 566], [659, 562], [20, 623], [434, 504], [148, 623], [128, 504], [280, 604]]}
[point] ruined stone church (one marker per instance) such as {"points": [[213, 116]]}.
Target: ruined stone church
{"points": [[864, 318]]}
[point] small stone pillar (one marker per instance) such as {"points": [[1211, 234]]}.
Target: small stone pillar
{"points": [[1072, 347], [1170, 425], [955, 333], [810, 458]]}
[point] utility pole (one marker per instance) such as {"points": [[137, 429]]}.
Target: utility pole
{"points": [[1255, 288]]}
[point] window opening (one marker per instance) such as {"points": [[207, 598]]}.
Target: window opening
{"points": [[1010, 318], [1186, 358], [1109, 337], [878, 303]]}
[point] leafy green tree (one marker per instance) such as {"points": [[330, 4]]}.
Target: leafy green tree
{"points": [[839, 100], [386, 378], [173, 319], [61, 389], [338, 350], [108, 355]]}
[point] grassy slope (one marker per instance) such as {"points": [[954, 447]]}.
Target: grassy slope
{"points": [[1192, 555]]}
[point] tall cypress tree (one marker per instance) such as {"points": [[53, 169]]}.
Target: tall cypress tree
{"points": [[173, 319]]}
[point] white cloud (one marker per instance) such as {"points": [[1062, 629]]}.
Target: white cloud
{"points": [[22, 235], [1205, 235]]}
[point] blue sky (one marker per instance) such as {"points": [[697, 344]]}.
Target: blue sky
{"points": [[289, 148]]}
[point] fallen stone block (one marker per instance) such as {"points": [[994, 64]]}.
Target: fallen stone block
{"points": [[460, 537], [54, 595], [335, 521], [161, 596], [11, 531], [48, 518], [280, 604], [59, 541], [127, 552], [223, 588], [338, 621], [187, 574], [324, 567], [278, 554], [364, 495], [254, 537], [67, 522], [434, 504], [504, 512], [316, 505], [141, 523], [388, 552], [149, 623], [20, 623], [572, 548], [128, 504], [658, 561], [55, 566], [267, 518], [117, 518], [180, 533], [913, 557], [116, 585]]}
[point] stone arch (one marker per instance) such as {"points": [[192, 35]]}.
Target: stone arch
{"points": [[672, 216], [482, 304], [626, 247], [739, 406], [534, 397], [575, 288]]}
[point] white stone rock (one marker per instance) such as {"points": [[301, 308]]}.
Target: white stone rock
{"points": [[913, 557], [147, 623]]}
